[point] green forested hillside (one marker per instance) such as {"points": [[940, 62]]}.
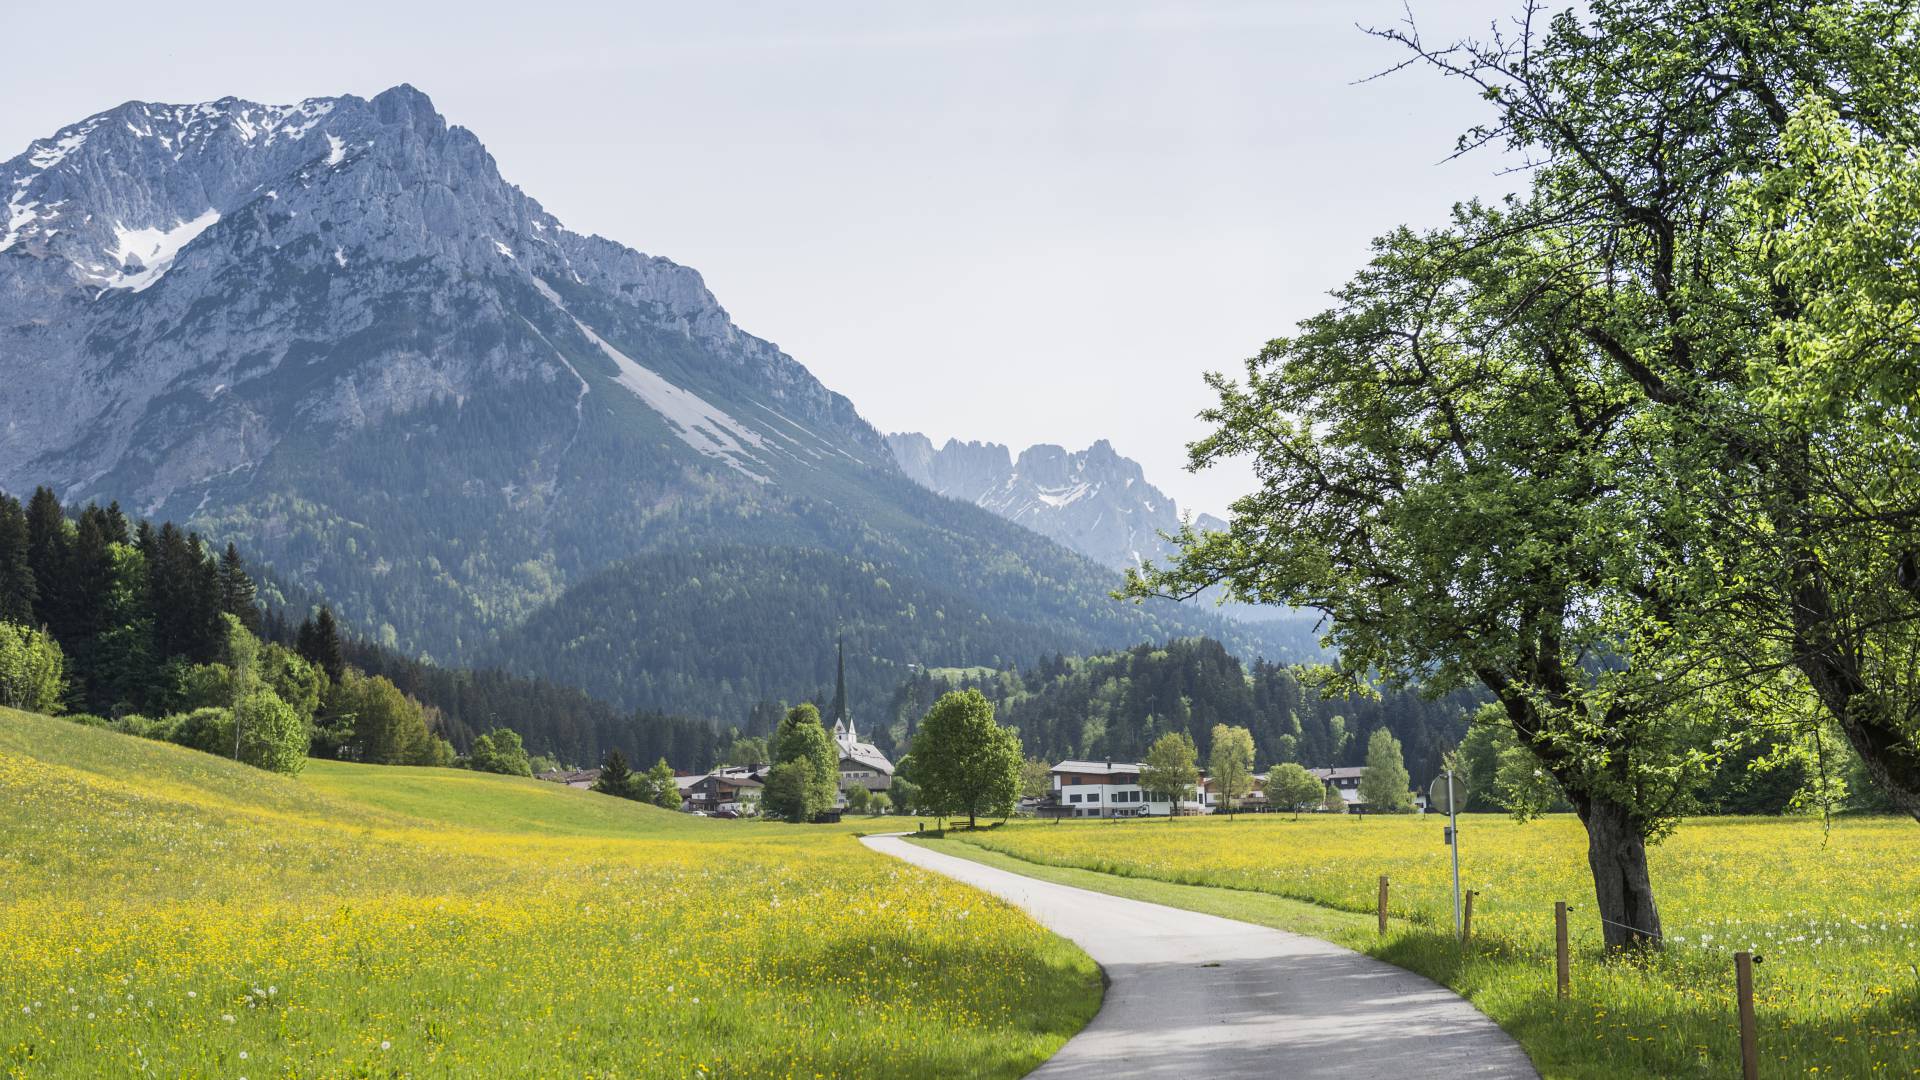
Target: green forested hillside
{"points": [[714, 631], [1116, 704]]}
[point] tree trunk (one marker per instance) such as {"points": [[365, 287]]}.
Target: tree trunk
{"points": [[1617, 854], [1835, 676]]}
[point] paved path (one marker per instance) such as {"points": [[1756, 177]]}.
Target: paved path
{"points": [[1205, 998]]}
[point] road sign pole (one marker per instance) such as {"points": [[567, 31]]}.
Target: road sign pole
{"points": [[1453, 834]]}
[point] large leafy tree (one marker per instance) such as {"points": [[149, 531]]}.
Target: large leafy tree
{"points": [[964, 761], [1555, 466], [801, 741], [1733, 180]]}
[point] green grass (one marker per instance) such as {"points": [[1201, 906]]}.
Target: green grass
{"points": [[171, 912], [1832, 913]]}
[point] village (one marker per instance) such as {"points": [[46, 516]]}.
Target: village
{"points": [[1075, 788]]}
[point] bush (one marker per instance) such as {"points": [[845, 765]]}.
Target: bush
{"points": [[500, 751], [209, 730], [32, 669], [273, 736]]}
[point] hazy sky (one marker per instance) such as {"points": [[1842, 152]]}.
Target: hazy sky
{"points": [[1022, 222]]}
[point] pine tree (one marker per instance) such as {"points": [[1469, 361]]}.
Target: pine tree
{"points": [[326, 653], [615, 777], [48, 547], [236, 589], [17, 591]]}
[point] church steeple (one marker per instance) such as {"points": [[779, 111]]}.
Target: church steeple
{"points": [[842, 720]]}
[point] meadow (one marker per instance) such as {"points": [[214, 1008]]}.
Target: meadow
{"points": [[1834, 913], [165, 912]]}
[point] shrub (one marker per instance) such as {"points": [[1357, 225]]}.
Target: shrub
{"points": [[273, 736], [32, 669], [209, 729]]}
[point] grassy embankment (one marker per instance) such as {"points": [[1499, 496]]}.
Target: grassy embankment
{"points": [[170, 912], [1833, 915]]}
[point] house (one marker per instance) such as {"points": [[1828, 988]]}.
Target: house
{"points": [[579, 778], [1105, 789], [1345, 781], [735, 788], [1253, 801]]}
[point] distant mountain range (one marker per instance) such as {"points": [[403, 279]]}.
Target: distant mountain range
{"points": [[1094, 500], [332, 332]]}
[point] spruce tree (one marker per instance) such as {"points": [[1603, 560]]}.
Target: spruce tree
{"points": [[615, 777], [236, 589], [48, 548], [325, 645], [17, 591]]}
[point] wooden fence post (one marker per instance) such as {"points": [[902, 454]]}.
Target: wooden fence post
{"points": [[1749, 1035], [1560, 962], [1466, 921], [1383, 903]]}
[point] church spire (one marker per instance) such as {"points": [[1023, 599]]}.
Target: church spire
{"points": [[840, 716]]}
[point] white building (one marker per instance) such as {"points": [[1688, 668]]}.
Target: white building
{"points": [[1105, 789]]}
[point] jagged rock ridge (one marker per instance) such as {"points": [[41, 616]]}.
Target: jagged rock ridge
{"points": [[1094, 501]]}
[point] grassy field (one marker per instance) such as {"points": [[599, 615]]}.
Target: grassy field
{"points": [[168, 913], [1832, 914]]}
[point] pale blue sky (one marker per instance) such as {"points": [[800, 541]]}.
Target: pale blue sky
{"points": [[1017, 221]]}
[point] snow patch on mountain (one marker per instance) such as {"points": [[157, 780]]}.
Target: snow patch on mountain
{"points": [[146, 254], [698, 423]]}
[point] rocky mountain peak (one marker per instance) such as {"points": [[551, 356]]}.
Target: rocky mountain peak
{"points": [[1095, 501]]}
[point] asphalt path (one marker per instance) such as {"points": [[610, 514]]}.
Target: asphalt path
{"points": [[1206, 998]]}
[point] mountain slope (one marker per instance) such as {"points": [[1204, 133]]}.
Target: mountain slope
{"points": [[335, 332]]}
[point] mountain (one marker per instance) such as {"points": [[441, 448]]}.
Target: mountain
{"points": [[334, 332], [1094, 500]]}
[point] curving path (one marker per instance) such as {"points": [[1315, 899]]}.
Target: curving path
{"points": [[1194, 995]]}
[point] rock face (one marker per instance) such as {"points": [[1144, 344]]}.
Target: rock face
{"points": [[179, 283], [333, 332], [1094, 500]]}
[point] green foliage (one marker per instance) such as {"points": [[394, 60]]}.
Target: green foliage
{"points": [[272, 734], [1230, 764], [658, 786], [616, 778], [879, 803], [1291, 787], [388, 728], [803, 742], [1169, 769], [1036, 778], [787, 792], [963, 761], [31, 670], [1384, 785], [904, 793], [859, 799], [208, 729], [500, 751]]}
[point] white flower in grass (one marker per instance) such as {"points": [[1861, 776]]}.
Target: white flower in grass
{"points": [[385, 1045]]}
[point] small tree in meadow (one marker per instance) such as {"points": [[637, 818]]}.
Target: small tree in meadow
{"points": [[1230, 764], [1291, 786], [1170, 771], [660, 788], [1384, 786]]}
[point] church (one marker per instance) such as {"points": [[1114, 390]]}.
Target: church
{"points": [[861, 763]]}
